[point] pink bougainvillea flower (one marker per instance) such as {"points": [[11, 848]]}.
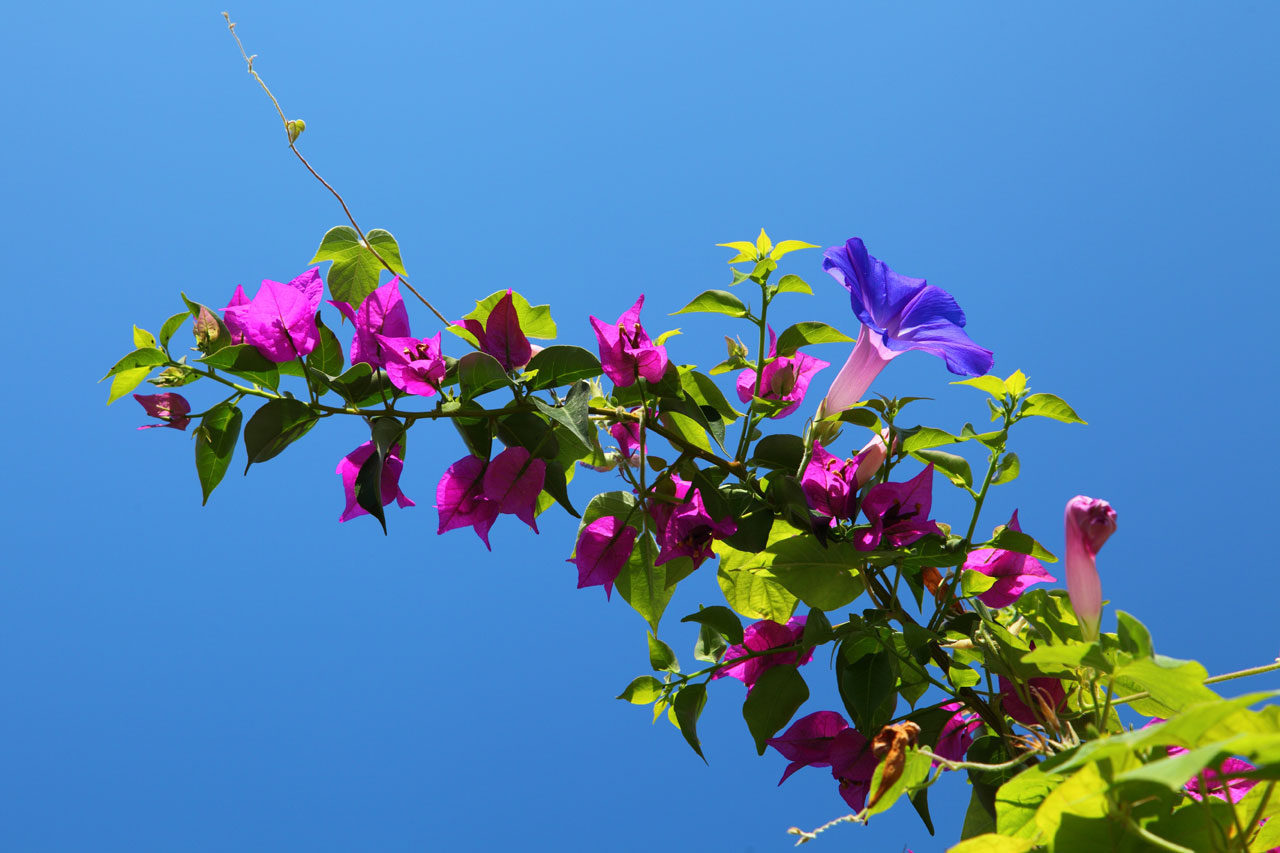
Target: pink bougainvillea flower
{"points": [[688, 530], [898, 313], [830, 483], [1209, 780], [957, 732], [762, 636], [501, 335], [808, 742], [784, 378], [280, 322], [513, 480], [1013, 572], [1044, 692], [898, 512], [604, 547], [853, 765], [626, 350], [238, 299], [414, 366], [1089, 523], [381, 313], [461, 501], [169, 407], [349, 467]]}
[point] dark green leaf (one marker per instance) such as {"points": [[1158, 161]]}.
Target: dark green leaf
{"points": [[858, 415], [715, 302], [710, 646], [817, 628], [722, 619], [479, 373], [386, 432], [704, 391], [245, 361], [688, 704], [572, 414], [866, 688], [327, 356], [772, 702], [355, 270], [820, 577], [804, 334], [562, 365], [642, 584], [276, 425], [215, 439], [527, 430], [661, 658]]}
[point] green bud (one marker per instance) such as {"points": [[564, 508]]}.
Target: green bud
{"points": [[295, 127]]}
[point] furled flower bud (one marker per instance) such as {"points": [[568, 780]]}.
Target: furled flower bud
{"points": [[1089, 523]]}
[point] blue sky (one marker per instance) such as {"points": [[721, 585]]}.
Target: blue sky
{"points": [[1095, 183]]}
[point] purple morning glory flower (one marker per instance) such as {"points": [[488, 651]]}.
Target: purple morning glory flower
{"points": [[461, 501], [501, 335], [761, 636], [626, 350], [687, 530], [169, 407], [957, 732], [381, 313], [603, 549], [349, 467], [898, 512], [1013, 572], [414, 366], [1089, 523], [808, 742], [280, 321], [784, 378], [898, 313]]}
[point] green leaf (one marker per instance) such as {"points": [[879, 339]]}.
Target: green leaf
{"points": [[1008, 469], [1012, 540], [978, 822], [787, 246], [955, 468], [355, 270], [143, 339], [661, 658], [781, 451], [642, 691], [480, 373], [754, 593], [992, 843], [172, 325], [746, 251], [1018, 799], [763, 244], [975, 583], [763, 269], [772, 702], [792, 283], [276, 425], [327, 356], [1056, 659], [561, 365], [710, 646], [209, 330], [688, 706], [704, 391], [867, 687], [820, 577], [1134, 636], [572, 414], [535, 320], [722, 619], [1049, 406], [386, 432], [642, 584], [215, 439], [804, 334], [715, 302], [926, 437], [1173, 684], [147, 357], [666, 336], [914, 772], [125, 381], [687, 428], [245, 361], [993, 385], [1016, 383]]}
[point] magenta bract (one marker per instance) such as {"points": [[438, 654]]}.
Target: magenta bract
{"points": [[898, 512], [169, 407], [461, 501], [853, 765], [604, 547], [513, 480], [957, 732], [1049, 689], [414, 366], [1013, 572], [807, 743], [784, 378], [280, 322], [501, 335], [381, 313], [349, 467], [758, 637], [687, 530], [626, 350]]}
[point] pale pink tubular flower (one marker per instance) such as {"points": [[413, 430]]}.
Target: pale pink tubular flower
{"points": [[1089, 523]]}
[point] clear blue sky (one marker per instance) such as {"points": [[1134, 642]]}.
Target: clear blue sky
{"points": [[1096, 183]]}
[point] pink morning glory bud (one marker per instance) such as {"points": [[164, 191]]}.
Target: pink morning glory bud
{"points": [[169, 407], [1089, 523], [604, 547], [870, 458], [626, 350]]}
